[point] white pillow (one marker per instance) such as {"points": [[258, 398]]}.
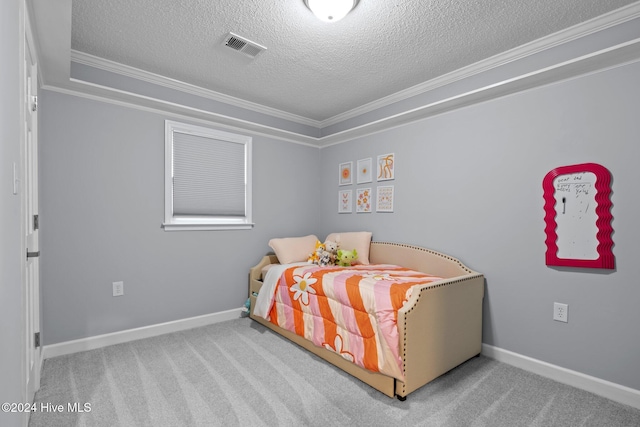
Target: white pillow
{"points": [[358, 240], [293, 249]]}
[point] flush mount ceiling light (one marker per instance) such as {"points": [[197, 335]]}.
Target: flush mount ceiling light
{"points": [[331, 10]]}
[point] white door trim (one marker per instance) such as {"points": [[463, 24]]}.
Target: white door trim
{"points": [[28, 190]]}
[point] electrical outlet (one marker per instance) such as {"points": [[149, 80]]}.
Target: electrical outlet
{"points": [[560, 312], [118, 289]]}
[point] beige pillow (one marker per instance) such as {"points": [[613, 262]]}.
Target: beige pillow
{"points": [[358, 240], [293, 249]]}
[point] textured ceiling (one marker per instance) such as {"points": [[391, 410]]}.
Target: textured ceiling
{"points": [[311, 68]]}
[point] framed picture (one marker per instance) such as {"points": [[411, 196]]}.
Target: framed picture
{"points": [[345, 201], [386, 168], [363, 201], [345, 173], [364, 170], [384, 199]]}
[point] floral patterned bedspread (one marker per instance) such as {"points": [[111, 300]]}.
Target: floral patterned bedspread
{"points": [[351, 311]]}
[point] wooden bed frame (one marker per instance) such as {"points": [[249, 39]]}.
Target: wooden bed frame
{"points": [[439, 327]]}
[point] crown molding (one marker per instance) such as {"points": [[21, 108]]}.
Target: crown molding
{"points": [[602, 60], [136, 73], [126, 99], [603, 22]]}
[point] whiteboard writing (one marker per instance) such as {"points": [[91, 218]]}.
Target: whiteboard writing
{"points": [[576, 215]]}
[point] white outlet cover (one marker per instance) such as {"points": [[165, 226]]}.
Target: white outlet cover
{"points": [[118, 289], [560, 312]]}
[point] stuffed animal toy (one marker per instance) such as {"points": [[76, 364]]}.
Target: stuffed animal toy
{"points": [[324, 253], [347, 258], [314, 257], [329, 254], [331, 247], [246, 308]]}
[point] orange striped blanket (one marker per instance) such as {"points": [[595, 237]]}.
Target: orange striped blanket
{"points": [[351, 311]]}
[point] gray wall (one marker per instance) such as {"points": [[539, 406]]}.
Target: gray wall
{"points": [[102, 203], [10, 230], [469, 183]]}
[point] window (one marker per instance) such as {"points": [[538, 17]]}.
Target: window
{"points": [[207, 179]]}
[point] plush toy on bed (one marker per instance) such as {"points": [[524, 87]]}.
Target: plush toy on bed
{"points": [[324, 254], [329, 255], [347, 258], [314, 256]]}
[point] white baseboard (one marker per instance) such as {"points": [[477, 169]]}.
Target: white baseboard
{"points": [[100, 341], [613, 391]]}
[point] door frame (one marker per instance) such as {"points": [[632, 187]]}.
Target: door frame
{"points": [[32, 355]]}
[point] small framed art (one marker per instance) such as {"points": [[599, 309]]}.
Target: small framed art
{"points": [[345, 173], [386, 168], [364, 171], [384, 202], [363, 200], [345, 201]]}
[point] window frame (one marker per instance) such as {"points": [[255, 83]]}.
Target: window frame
{"points": [[213, 222]]}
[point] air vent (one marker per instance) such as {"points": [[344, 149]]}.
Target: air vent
{"points": [[243, 45]]}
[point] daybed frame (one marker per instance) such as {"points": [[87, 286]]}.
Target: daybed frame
{"points": [[439, 327]]}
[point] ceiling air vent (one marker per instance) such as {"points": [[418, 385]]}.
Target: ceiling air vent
{"points": [[243, 45]]}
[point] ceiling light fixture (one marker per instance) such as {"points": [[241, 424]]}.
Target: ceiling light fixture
{"points": [[331, 10]]}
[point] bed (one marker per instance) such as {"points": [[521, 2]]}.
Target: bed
{"points": [[439, 326]]}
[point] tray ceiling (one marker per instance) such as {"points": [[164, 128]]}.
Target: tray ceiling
{"points": [[310, 68]]}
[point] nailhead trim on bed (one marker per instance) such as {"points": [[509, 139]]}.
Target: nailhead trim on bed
{"points": [[423, 290], [462, 266], [426, 250]]}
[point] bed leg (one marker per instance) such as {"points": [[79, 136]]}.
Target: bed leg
{"points": [[401, 398]]}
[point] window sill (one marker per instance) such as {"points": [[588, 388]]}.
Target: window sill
{"points": [[205, 227]]}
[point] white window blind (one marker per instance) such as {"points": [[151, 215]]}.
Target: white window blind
{"points": [[208, 178]]}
